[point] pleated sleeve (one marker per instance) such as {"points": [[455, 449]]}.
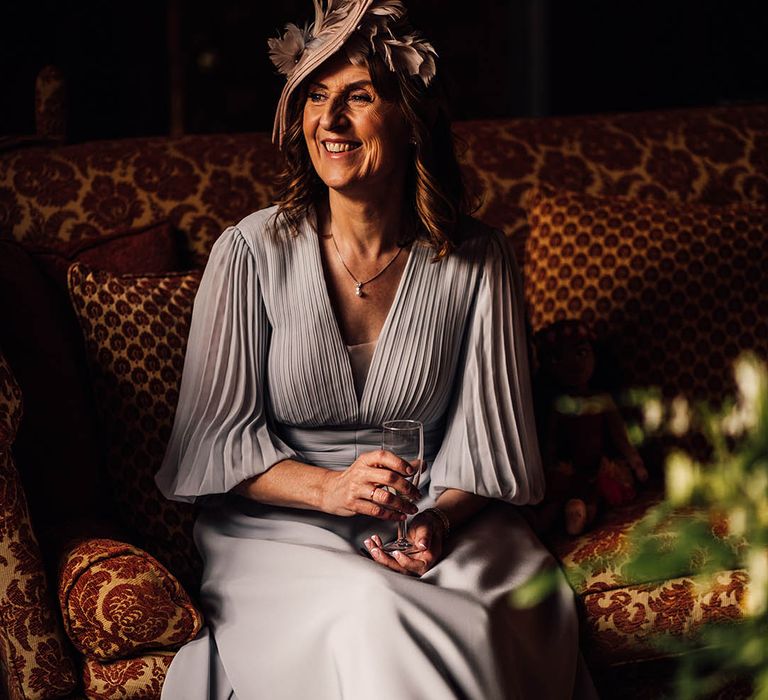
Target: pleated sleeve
{"points": [[220, 433], [490, 446]]}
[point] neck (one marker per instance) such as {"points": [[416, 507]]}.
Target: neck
{"points": [[368, 226]]}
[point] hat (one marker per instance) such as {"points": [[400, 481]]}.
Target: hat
{"points": [[361, 27]]}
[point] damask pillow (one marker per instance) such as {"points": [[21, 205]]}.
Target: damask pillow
{"points": [[135, 330], [118, 601], [58, 446], [34, 658], [137, 677], [681, 289]]}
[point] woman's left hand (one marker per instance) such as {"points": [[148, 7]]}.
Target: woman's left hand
{"points": [[426, 532]]}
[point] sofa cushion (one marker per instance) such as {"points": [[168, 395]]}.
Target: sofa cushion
{"points": [[137, 677], [117, 600], [33, 654], [135, 330], [58, 449], [639, 622], [147, 249], [680, 288]]}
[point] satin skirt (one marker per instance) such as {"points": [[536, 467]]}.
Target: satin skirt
{"points": [[294, 610]]}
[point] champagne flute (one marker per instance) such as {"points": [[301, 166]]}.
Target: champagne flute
{"points": [[405, 438]]}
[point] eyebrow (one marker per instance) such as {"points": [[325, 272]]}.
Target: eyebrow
{"points": [[351, 86]]}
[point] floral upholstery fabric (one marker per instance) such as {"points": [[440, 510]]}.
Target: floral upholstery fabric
{"points": [[205, 183], [679, 287], [627, 624], [33, 654], [200, 183], [139, 678], [118, 601], [715, 155], [135, 330], [626, 617]]}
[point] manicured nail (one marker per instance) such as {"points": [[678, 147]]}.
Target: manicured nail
{"points": [[410, 469], [368, 543], [422, 544]]}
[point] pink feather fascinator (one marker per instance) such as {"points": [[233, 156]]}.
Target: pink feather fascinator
{"points": [[360, 27]]}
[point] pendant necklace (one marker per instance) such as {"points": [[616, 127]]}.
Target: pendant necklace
{"points": [[358, 283]]}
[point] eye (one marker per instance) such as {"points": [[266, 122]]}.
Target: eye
{"points": [[360, 97], [315, 97]]}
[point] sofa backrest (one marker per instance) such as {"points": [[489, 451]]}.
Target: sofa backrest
{"points": [[205, 183]]}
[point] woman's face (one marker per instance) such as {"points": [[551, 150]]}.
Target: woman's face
{"points": [[357, 141]]}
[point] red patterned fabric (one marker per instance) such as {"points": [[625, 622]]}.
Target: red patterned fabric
{"points": [[39, 333], [147, 249], [205, 183], [135, 330], [140, 678], [33, 655], [117, 601], [680, 288], [627, 624]]}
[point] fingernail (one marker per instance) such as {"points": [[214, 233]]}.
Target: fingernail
{"points": [[422, 544], [410, 470], [402, 516], [368, 543]]}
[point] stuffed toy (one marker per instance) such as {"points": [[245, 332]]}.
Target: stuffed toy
{"points": [[587, 454]]}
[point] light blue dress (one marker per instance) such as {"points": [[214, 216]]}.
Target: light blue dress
{"points": [[293, 609]]}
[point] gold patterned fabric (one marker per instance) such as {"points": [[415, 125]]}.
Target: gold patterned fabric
{"points": [[631, 623], [118, 601], [205, 183], [34, 659], [679, 288], [135, 330], [127, 679]]}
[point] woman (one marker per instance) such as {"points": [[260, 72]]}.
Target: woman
{"points": [[364, 296]]}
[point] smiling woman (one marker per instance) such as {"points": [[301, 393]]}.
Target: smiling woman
{"points": [[367, 294], [356, 139]]}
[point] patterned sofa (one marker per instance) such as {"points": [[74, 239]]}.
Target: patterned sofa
{"points": [[651, 226]]}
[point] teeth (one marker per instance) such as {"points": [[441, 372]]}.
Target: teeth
{"points": [[340, 147]]}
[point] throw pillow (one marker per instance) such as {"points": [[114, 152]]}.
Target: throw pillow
{"points": [[681, 288], [58, 449], [135, 330], [34, 657], [152, 248], [118, 601]]}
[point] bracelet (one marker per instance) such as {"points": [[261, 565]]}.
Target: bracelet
{"points": [[442, 517]]}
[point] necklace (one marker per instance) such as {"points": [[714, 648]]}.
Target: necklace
{"points": [[358, 283]]}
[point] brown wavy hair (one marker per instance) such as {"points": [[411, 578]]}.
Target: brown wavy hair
{"points": [[436, 195]]}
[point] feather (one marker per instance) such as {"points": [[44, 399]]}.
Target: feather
{"points": [[286, 51]]}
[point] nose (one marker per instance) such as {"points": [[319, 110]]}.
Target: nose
{"points": [[334, 114]]}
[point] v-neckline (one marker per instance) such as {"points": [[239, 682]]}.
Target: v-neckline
{"points": [[340, 346]]}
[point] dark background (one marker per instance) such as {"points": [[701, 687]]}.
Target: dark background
{"points": [[161, 66]]}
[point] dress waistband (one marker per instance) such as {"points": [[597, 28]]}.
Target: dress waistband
{"points": [[337, 448]]}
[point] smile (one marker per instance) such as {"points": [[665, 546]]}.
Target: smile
{"points": [[340, 146]]}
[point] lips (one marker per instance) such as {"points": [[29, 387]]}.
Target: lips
{"points": [[341, 146]]}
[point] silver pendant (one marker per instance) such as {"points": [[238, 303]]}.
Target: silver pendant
{"points": [[359, 289]]}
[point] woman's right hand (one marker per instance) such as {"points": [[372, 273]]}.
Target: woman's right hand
{"points": [[357, 490]]}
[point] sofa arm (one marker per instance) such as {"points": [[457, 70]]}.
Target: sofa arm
{"points": [[33, 652], [118, 601]]}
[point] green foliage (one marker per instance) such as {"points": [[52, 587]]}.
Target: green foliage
{"points": [[675, 537]]}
